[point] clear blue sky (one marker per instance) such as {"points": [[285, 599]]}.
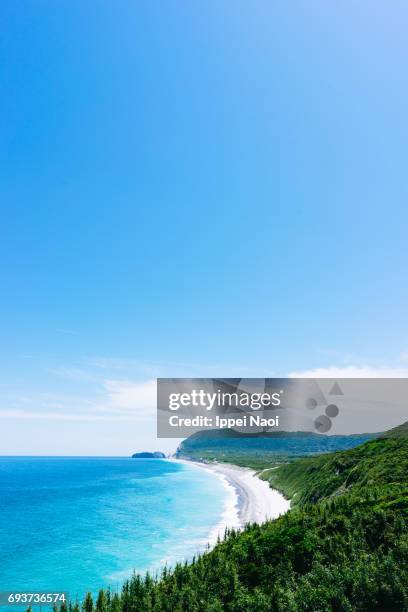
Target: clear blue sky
{"points": [[215, 188]]}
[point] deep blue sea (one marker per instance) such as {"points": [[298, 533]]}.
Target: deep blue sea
{"points": [[77, 524]]}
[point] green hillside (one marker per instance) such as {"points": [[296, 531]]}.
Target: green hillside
{"points": [[397, 432], [343, 548], [383, 461]]}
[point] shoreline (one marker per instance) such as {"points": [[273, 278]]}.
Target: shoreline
{"points": [[250, 499]]}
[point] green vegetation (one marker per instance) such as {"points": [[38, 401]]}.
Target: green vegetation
{"points": [[383, 461], [343, 547]]}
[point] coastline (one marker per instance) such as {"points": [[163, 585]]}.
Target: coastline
{"points": [[249, 499]]}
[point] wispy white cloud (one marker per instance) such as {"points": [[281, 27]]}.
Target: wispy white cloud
{"points": [[351, 371], [63, 416], [145, 369], [125, 389], [114, 400], [127, 395], [111, 363], [73, 373]]}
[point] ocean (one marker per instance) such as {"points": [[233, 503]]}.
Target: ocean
{"points": [[78, 524]]}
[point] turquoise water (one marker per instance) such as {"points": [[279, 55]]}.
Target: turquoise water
{"points": [[76, 524]]}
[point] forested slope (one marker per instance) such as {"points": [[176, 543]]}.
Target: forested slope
{"points": [[344, 546], [382, 461]]}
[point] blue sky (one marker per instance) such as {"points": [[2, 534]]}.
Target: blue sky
{"points": [[193, 188]]}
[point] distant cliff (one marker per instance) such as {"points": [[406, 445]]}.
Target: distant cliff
{"points": [[146, 455], [262, 449]]}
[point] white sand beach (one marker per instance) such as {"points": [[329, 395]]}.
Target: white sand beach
{"points": [[257, 502], [250, 499]]}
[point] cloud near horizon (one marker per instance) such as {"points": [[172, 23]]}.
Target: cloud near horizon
{"points": [[113, 399], [125, 395], [120, 400], [351, 371], [81, 412]]}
